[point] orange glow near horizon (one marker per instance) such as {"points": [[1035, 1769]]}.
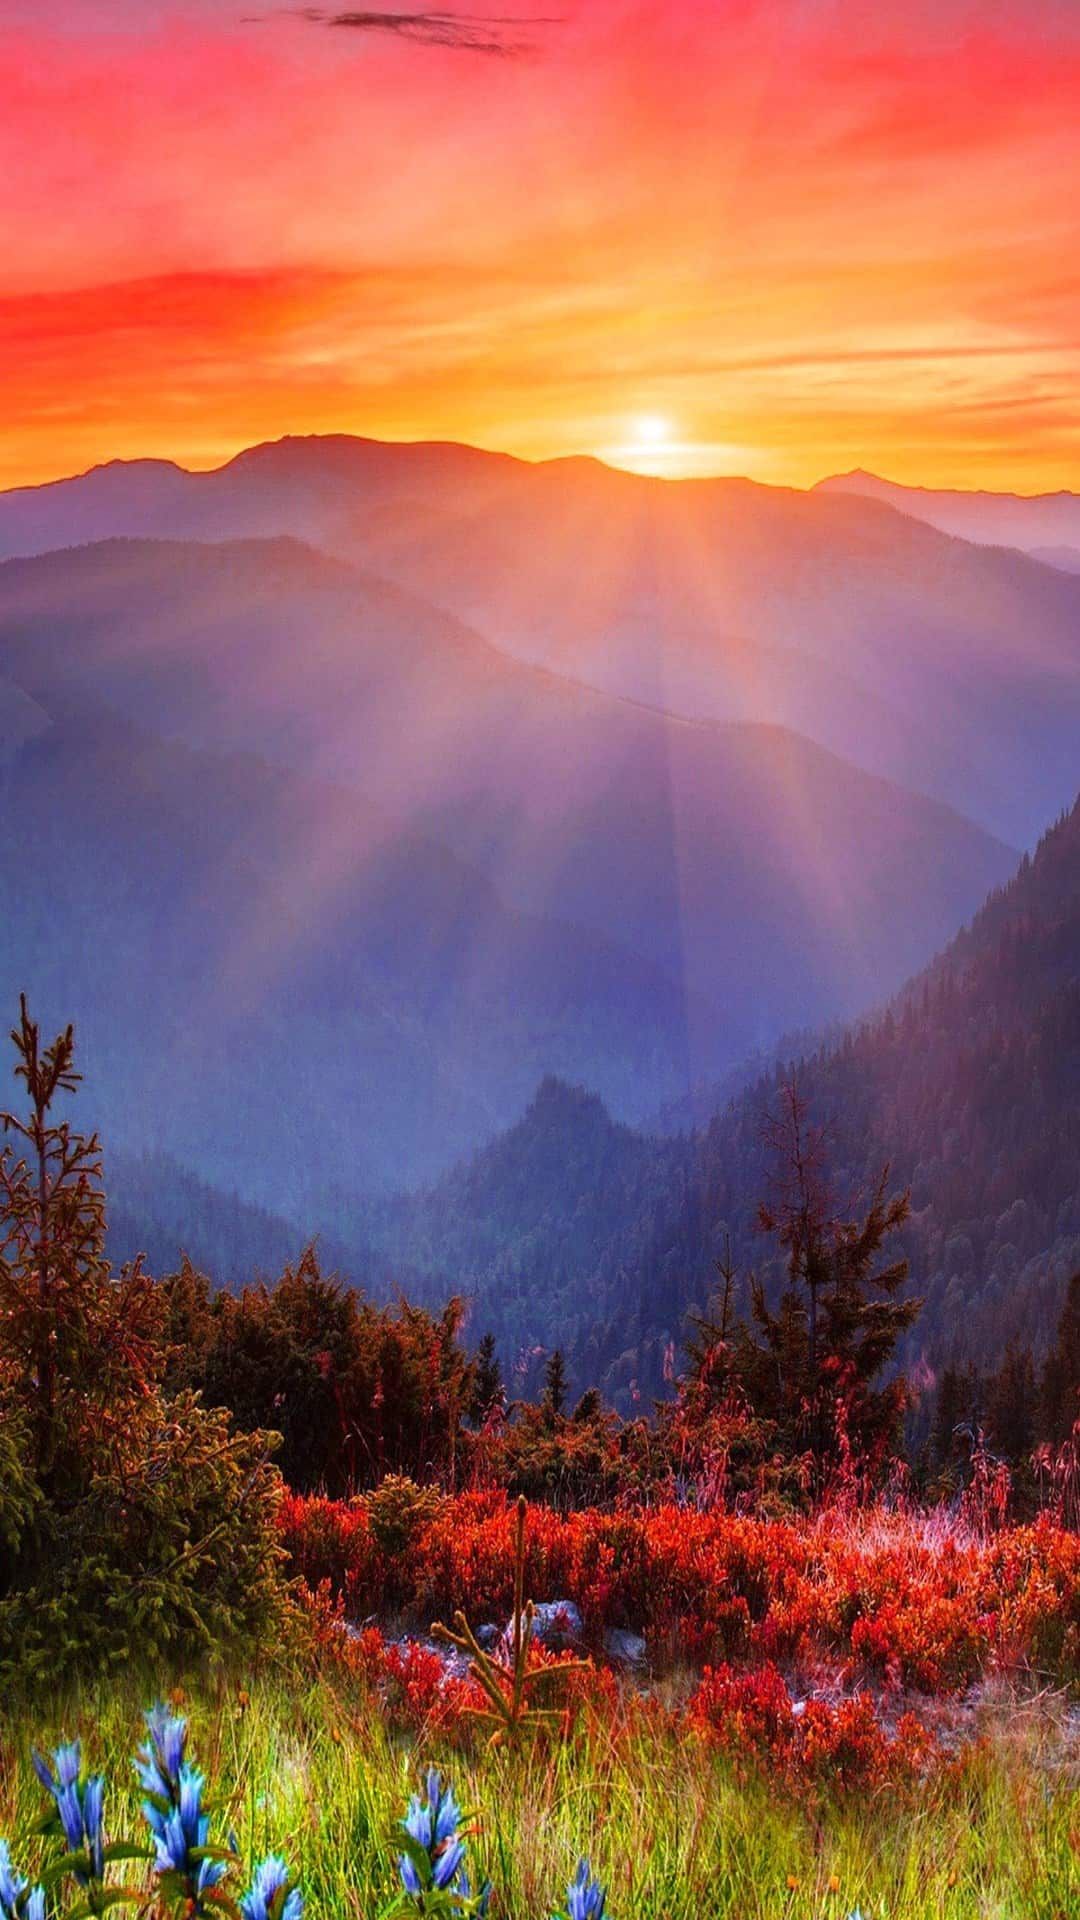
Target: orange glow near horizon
{"points": [[803, 235]]}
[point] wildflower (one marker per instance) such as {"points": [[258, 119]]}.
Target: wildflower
{"points": [[585, 1899], [15, 1902], [174, 1810], [432, 1824], [272, 1894], [834, 1883], [158, 1763], [79, 1805]]}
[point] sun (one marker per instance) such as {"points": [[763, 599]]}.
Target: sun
{"points": [[651, 431]]}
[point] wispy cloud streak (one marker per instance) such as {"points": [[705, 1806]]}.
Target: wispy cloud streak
{"points": [[464, 32]]}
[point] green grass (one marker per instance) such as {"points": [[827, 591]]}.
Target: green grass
{"points": [[306, 1771]]}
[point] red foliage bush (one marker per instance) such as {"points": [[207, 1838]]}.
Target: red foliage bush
{"points": [[899, 1600], [836, 1746]]}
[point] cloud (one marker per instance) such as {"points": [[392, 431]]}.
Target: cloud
{"points": [[464, 32]]}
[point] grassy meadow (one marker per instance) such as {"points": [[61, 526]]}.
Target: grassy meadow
{"points": [[675, 1829]]}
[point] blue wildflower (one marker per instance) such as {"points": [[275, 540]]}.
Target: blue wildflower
{"points": [[270, 1877], [79, 1805], [434, 1823], [173, 1809], [158, 1763], [585, 1898], [66, 1759], [15, 1902], [12, 1885]]}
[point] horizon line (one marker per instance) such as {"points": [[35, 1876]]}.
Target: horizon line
{"points": [[589, 458]]}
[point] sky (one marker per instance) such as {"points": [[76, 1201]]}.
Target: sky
{"points": [[773, 237]]}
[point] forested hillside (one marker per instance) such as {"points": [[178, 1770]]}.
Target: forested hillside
{"points": [[158, 1209], [543, 1228], [968, 1084]]}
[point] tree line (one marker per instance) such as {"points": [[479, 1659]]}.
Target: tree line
{"points": [[148, 1428]]}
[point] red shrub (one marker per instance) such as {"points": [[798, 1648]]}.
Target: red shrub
{"points": [[901, 1598]]}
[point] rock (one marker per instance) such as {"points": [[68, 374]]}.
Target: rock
{"points": [[487, 1636], [557, 1625], [627, 1649]]}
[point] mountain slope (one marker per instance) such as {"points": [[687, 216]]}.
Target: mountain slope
{"points": [[279, 986], [159, 1209], [751, 881], [1027, 521], [968, 1084], [527, 1228], [942, 665]]}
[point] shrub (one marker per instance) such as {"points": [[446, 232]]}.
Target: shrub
{"points": [[399, 1513], [175, 1554], [899, 1597], [137, 1525]]}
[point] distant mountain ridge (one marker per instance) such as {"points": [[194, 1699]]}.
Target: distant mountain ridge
{"points": [[657, 896], [1036, 523], [268, 1019], [932, 662]]}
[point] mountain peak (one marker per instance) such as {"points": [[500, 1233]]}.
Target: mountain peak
{"points": [[557, 1101]]}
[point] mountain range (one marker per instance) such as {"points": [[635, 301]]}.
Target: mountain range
{"points": [[1046, 525], [357, 791], [407, 875], [929, 660]]}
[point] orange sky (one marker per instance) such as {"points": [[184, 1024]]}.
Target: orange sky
{"points": [[796, 235]]}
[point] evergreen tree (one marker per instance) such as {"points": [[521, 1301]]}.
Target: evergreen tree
{"points": [[1012, 1404], [80, 1345], [811, 1363], [949, 1412], [131, 1520], [555, 1386], [489, 1393], [1060, 1395], [960, 1413]]}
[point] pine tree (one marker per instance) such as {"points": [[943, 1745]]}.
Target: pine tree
{"points": [[82, 1346], [810, 1364], [589, 1408], [1060, 1394], [555, 1386], [131, 1520], [489, 1393], [949, 1411], [1012, 1404]]}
